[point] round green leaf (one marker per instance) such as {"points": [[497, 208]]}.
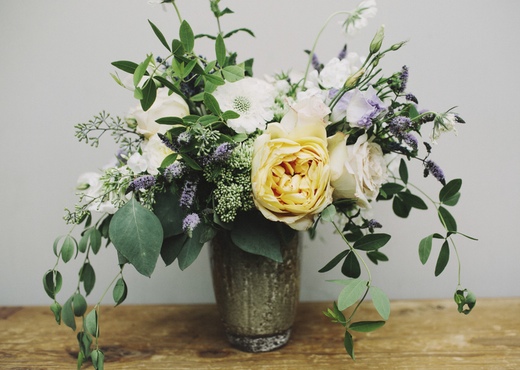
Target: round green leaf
{"points": [[425, 248], [79, 304], [91, 323], [138, 235], [120, 291]]}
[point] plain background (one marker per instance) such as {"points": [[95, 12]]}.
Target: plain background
{"points": [[55, 65]]}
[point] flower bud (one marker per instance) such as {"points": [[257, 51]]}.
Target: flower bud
{"points": [[353, 79], [397, 46], [377, 41]]}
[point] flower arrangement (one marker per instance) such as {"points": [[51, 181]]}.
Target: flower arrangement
{"points": [[212, 147]]}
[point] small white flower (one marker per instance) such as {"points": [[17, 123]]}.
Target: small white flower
{"points": [[137, 163], [443, 123], [250, 97], [359, 17]]}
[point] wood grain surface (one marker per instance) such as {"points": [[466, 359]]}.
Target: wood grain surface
{"points": [[427, 334]]}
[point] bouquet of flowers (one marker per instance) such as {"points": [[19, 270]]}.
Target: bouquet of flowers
{"points": [[212, 147]]}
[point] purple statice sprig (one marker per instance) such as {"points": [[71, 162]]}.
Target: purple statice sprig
{"points": [[190, 222], [188, 193], [432, 168], [221, 154], [141, 183]]}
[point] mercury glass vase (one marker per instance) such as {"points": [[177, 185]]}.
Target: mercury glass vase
{"points": [[256, 297]]}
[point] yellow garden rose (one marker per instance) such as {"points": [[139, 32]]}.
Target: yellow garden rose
{"points": [[290, 168]]}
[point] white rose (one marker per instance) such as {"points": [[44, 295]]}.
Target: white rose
{"points": [[164, 106], [154, 152], [358, 170]]}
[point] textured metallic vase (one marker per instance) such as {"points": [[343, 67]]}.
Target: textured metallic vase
{"points": [[256, 296]]}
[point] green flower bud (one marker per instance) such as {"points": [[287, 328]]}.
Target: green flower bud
{"points": [[353, 79], [377, 41], [397, 46]]}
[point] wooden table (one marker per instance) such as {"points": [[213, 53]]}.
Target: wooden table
{"points": [[427, 334]]}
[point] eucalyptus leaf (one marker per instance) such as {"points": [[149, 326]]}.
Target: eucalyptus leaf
{"points": [[79, 304], [351, 293], [69, 248], [192, 247], [120, 291], [56, 310], [88, 277], [91, 323], [67, 314], [168, 210], [171, 248], [442, 260], [380, 302], [255, 234], [98, 359], [137, 234]]}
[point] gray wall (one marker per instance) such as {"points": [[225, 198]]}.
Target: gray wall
{"points": [[55, 65]]}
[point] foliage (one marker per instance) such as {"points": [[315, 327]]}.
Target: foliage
{"points": [[193, 153]]}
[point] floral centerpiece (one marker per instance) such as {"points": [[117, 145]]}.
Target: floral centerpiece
{"points": [[211, 147]]}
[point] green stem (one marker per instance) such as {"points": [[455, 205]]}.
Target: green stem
{"points": [[309, 62], [177, 11], [352, 250]]}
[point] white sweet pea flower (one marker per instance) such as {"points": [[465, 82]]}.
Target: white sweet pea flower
{"points": [[250, 97], [443, 123], [137, 164], [90, 184], [358, 18]]}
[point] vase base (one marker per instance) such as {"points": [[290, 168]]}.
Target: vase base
{"points": [[259, 343]]}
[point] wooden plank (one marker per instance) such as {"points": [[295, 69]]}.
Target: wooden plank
{"points": [[427, 334]]}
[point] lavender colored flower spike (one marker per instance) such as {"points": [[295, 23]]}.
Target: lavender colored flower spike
{"points": [[435, 170], [315, 62], [412, 98], [143, 182], [404, 78], [343, 53], [411, 141], [174, 171], [374, 224], [190, 222], [168, 143], [188, 194]]}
